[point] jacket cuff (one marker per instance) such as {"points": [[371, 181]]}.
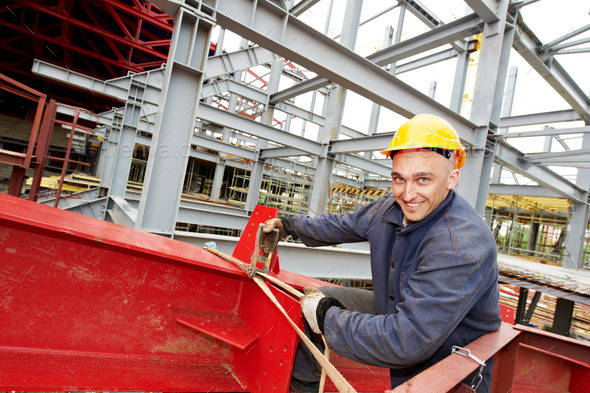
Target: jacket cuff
{"points": [[289, 226], [323, 306]]}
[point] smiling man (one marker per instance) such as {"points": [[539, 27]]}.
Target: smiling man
{"points": [[433, 264]]}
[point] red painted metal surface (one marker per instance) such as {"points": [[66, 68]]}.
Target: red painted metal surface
{"points": [[525, 360], [89, 305], [507, 314], [42, 148], [93, 306]]}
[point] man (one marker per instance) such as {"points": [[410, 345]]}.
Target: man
{"points": [[433, 264]]}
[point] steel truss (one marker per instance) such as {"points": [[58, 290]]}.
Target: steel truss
{"points": [[277, 33]]}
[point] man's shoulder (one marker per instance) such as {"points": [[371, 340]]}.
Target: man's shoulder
{"points": [[461, 211], [463, 228]]}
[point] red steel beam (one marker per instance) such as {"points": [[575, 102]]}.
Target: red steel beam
{"points": [[158, 19], [39, 98], [42, 148], [58, 42], [90, 305], [93, 28]]}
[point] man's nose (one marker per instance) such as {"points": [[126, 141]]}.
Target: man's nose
{"points": [[409, 192]]}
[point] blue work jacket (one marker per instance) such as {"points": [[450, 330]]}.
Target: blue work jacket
{"points": [[435, 284]]}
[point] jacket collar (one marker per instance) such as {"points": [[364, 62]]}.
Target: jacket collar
{"points": [[395, 215]]}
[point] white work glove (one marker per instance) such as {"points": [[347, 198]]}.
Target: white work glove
{"points": [[309, 305]]}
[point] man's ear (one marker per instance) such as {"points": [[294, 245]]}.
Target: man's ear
{"points": [[453, 179]]}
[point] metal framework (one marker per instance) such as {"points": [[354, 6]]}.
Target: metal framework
{"points": [[235, 95], [119, 36]]}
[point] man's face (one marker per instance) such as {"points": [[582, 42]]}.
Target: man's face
{"points": [[421, 180]]}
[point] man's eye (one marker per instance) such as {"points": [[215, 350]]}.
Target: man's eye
{"points": [[398, 179], [423, 180]]}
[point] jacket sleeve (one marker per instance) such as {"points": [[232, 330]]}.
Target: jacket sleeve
{"points": [[330, 229], [437, 297]]}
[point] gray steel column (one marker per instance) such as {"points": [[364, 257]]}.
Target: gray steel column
{"points": [[533, 234], [398, 32], [221, 164], [336, 100], [458, 92], [101, 163], [257, 172], [432, 89], [486, 107], [461, 70], [125, 146], [506, 112], [376, 108], [509, 96], [175, 123], [108, 152], [578, 222], [218, 178]]}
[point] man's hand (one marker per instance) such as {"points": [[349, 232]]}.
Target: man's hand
{"points": [[267, 236], [273, 223], [309, 306]]}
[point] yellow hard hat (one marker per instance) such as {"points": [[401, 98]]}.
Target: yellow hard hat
{"points": [[428, 132]]}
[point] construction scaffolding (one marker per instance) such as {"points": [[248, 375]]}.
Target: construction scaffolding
{"points": [[533, 228], [286, 190], [198, 178], [345, 198], [238, 189]]}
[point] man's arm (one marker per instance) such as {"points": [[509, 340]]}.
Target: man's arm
{"points": [[435, 300], [330, 229]]}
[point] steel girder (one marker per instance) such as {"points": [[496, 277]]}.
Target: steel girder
{"points": [[364, 164], [510, 189], [439, 36], [229, 85], [273, 28], [260, 130], [302, 6], [515, 160], [552, 46], [239, 60], [579, 157], [539, 118], [117, 88], [529, 46], [546, 132], [486, 9], [558, 116], [368, 143]]}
